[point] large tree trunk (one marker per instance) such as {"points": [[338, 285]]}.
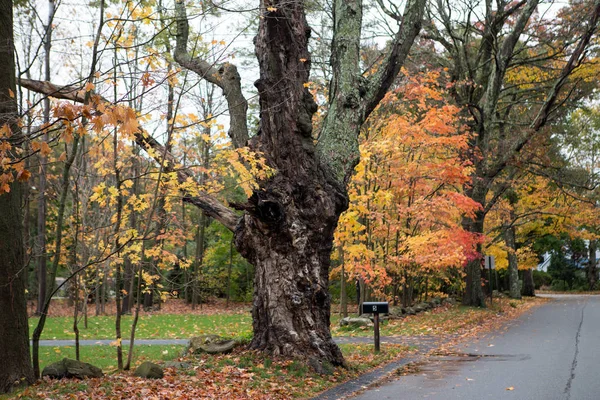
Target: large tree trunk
{"points": [[287, 232], [14, 330]]}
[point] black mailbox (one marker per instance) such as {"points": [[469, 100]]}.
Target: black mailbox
{"points": [[375, 307]]}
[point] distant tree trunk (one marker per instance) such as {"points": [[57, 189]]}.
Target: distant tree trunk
{"points": [[104, 291], [41, 217], [473, 292], [196, 298], [229, 266], [592, 267], [16, 367], [76, 318], [343, 294], [528, 284], [513, 269], [98, 291]]}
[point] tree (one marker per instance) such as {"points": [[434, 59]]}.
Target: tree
{"points": [[406, 196], [481, 54], [288, 223], [14, 330]]}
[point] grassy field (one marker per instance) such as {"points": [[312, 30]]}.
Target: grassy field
{"points": [[438, 321], [159, 326]]}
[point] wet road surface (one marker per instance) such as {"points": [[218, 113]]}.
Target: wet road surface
{"points": [[550, 353]]}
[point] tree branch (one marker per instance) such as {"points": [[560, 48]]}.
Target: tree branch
{"points": [[207, 203], [542, 117], [574, 61], [225, 76], [381, 81]]}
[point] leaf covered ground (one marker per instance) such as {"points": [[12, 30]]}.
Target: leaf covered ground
{"points": [[246, 374], [243, 374]]}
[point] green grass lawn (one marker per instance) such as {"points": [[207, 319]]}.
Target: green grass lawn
{"points": [[239, 326], [105, 357], [159, 326]]}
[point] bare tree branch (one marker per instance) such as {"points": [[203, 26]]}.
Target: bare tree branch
{"points": [[225, 76], [381, 81]]}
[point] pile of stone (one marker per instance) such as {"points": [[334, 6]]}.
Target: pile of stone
{"points": [[396, 312]]}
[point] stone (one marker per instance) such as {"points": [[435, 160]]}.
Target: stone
{"points": [[449, 300], [422, 307], [410, 311], [149, 370], [354, 322], [68, 368], [177, 365], [211, 344], [55, 370]]}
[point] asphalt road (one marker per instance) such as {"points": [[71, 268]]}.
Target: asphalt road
{"points": [[550, 353]]}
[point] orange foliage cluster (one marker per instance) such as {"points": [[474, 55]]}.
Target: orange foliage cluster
{"points": [[407, 199]]}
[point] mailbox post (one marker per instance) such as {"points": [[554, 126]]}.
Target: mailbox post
{"points": [[375, 308]]}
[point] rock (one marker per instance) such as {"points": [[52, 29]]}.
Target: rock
{"points": [[437, 301], [68, 368], [149, 370], [177, 365], [355, 322], [422, 307], [212, 344], [55, 370], [410, 311], [449, 300]]}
